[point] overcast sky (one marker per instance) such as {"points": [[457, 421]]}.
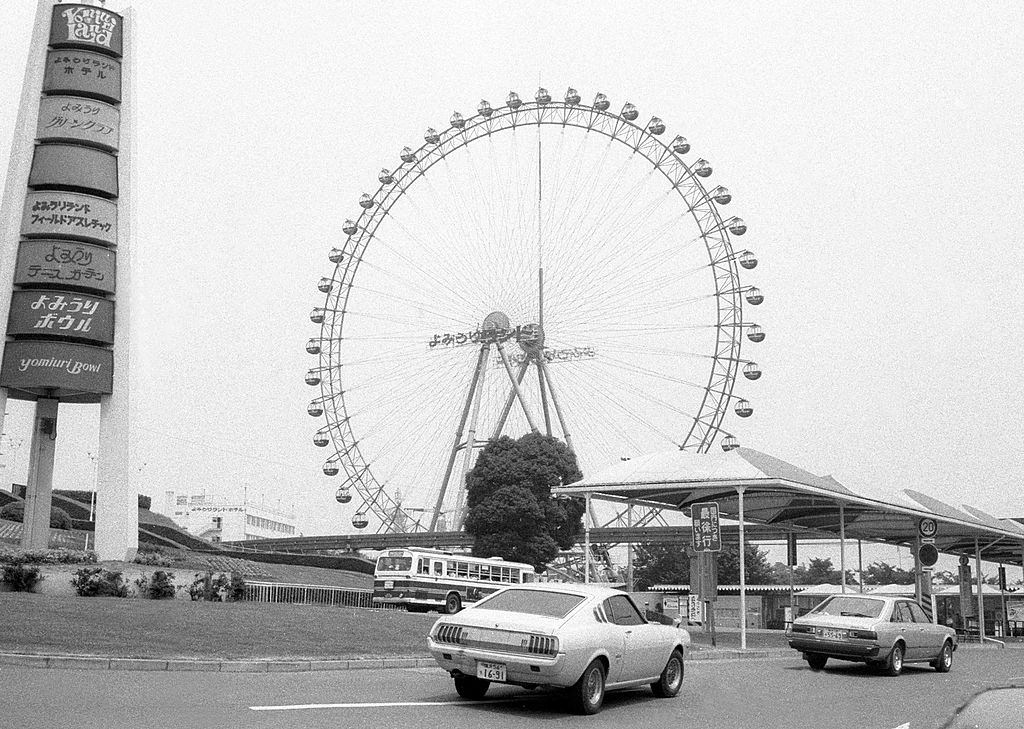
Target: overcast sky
{"points": [[874, 150]]}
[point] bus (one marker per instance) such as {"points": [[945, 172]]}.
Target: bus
{"points": [[429, 579]]}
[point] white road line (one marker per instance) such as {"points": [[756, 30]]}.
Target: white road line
{"points": [[905, 725], [379, 705]]}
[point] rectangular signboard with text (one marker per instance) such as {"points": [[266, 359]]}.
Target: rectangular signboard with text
{"points": [[707, 534]]}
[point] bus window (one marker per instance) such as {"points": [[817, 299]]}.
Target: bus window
{"points": [[463, 568], [423, 566], [438, 568], [394, 564], [451, 569], [485, 572], [514, 576], [474, 572]]}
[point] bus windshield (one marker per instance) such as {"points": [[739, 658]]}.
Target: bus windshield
{"points": [[394, 564]]}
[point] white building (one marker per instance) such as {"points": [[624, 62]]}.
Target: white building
{"points": [[217, 519]]}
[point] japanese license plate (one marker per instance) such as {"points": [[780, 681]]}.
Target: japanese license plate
{"points": [[389, 584], [830, 634], [490, 671]]}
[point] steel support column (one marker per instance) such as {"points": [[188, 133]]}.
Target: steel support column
{"points": [[743, 578], [981, 597], [842, 547]]}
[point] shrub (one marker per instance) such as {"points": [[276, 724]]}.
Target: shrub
{"points": [[15, 511], [160, 586], [157, 559], [61, 555], [223, 587], [99, 582], [21, 578]]}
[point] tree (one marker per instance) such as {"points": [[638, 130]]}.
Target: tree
{"points": [[755, 565], [667, 564], [511, 512], [660, 564], [883, 573], [820, 570]]}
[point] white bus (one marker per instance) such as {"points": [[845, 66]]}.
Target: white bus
{"points": [[426, 579]]}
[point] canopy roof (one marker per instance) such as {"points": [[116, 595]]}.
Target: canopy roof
{"points": [[782, 498]]}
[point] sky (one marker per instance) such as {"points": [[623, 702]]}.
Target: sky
{"points": [[872, 149]]}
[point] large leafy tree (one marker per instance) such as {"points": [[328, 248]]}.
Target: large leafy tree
{"points": [[511, 512]]}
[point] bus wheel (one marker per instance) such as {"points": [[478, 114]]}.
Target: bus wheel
{"points": [[452, 604]]}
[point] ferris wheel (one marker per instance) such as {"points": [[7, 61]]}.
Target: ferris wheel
{"points": [[545, 266]]}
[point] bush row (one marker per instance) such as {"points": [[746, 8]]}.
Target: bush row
{"points": [[61, 555], [100, 582]]}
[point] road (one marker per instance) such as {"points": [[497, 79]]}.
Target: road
{"points": [[716, 694]]}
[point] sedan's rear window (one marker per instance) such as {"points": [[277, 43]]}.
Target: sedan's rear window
{"points": [[850, 606], [532, 602]]}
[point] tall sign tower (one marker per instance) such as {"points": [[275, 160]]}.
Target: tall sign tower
{"points": [[65, 244]]}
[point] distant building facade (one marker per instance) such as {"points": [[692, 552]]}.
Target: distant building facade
{"points": [[217, 519]]}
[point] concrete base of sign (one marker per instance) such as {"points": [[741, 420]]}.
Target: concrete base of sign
{"points": [[35, 533]]}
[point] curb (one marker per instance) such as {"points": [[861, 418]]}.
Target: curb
{"points": [[112, 663]]}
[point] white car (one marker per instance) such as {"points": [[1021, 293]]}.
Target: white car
{"points": [[585, 638]]}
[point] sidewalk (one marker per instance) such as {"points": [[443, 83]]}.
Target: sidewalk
{"points": [[111, 663]]}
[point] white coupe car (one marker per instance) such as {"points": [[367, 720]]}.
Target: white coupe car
{"points": [[585, 638]]}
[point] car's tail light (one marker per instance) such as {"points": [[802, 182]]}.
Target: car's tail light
{"points": [[542, 645], [865, 634], [449, 634], [802, 628]]}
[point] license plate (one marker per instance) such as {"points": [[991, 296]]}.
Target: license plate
{"points": [[389, 584], [833, 634], [490, 671]]}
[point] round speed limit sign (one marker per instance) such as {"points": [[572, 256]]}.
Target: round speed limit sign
{"points": [[927, 527]]}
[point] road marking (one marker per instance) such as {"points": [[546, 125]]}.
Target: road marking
{"points": [[381, 704], [905, 725]]}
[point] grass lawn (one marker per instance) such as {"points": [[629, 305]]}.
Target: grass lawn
{"points": [[135, 628]]}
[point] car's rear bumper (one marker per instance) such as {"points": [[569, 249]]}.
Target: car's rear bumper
{"points": [[519, 669], [859, 651]]}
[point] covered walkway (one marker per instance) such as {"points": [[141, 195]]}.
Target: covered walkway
{"points": [[754, 488]]}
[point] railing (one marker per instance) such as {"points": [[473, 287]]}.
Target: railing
{"points": [[307, 594]]}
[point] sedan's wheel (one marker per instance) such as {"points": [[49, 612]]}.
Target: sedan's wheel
{"points": [[671, 678], [945, 660], [471, 687], [588, 693], [452, 604], [816, 661], [894, 666]]}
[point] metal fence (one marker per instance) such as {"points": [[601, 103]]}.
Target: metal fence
{"points": [[307, 594]]}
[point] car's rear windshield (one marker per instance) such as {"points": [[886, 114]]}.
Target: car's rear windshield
{"points": [[849, 606], [533, 602]]}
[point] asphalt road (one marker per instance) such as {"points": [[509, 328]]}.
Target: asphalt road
{"points": [[716, 694]]}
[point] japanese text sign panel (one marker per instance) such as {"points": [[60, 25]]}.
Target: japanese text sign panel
{"points": [[65, 263], [61, 314], [79, 120], [88, 27], [69, 215], [75, 166], [84, 74], [68, 369], [707, 535]]}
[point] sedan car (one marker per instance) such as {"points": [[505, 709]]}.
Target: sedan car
{"points": [[885, 632], [584, 638]]}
